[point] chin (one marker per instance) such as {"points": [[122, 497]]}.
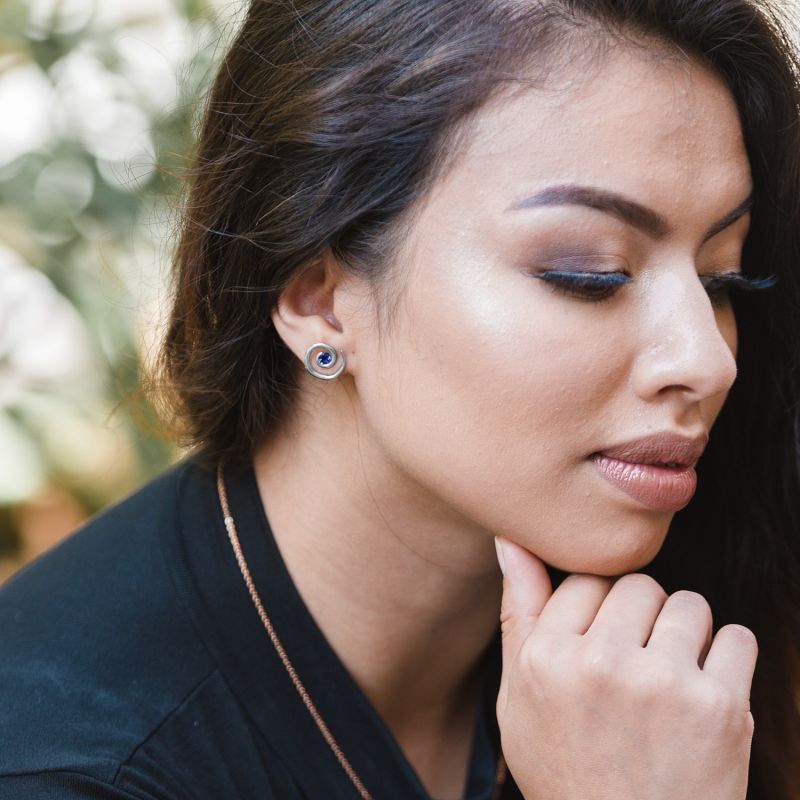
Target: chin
{"points": [[621, 555]]}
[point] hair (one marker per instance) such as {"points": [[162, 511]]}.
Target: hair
{"points": [[328, 120]]}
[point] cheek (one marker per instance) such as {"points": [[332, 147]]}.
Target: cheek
{"points": [[494, 384]]}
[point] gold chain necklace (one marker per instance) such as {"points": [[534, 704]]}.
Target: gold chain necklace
{"points": [[301, 690]]}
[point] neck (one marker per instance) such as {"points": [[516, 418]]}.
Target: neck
{"points": [[405, 590]]}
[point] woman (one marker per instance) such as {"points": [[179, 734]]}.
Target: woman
{"points": [[454, 273]]}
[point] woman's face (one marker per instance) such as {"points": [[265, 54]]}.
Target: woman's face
{"points": [[494, 388]]}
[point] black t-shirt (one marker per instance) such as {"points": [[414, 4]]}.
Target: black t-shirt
{"points": [[133, 664]]}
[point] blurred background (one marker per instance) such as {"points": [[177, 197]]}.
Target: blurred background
{"points": [[98, 105]]}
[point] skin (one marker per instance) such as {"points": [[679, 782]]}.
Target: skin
{"points": [[477, 415]]}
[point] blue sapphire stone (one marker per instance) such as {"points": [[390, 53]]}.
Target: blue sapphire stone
{"points": [[324, 359]]}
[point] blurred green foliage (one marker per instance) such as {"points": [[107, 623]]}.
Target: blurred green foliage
{"points": [[97, 104]]}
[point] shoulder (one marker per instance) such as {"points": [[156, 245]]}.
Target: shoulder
{"points": [[97, 648]]}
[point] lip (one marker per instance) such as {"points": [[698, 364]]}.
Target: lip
{"points": [[632, 468], [658, 488], [660, 447]]}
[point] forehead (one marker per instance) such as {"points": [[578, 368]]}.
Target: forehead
{"points": [[659, 126]]}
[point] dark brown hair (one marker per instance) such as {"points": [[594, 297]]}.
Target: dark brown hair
{"points": [[329, 119]]}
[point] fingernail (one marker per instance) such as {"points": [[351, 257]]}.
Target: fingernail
{"points": [[498, 546]]}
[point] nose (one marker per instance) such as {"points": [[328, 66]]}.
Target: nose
{"points": [[686, 345]]}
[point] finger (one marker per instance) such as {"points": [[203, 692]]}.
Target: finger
{"points": [[574, 604], [683, 628], [629, 610], [526, 589], [731, 660]]}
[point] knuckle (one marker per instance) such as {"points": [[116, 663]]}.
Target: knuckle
{"points": [[659, 679], [599, 665], [715, 708], [538, 656], [541, 668], [718, 703]]}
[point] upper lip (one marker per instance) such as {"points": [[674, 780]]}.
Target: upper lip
{"points": [[660, 448]]}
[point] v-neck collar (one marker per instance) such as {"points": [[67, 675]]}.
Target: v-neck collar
{"points": [[208, 575]]}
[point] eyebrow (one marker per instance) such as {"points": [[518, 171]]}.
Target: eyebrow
{"points": [[629, 211]]}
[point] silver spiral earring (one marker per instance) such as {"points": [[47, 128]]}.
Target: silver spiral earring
{"points": [[326, 359]]}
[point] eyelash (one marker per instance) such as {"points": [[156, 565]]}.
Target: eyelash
{"points": [[598, 287]]}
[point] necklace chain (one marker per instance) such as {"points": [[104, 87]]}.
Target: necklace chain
{"points": [[301, 690]]}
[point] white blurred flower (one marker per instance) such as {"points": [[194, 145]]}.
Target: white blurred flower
{"points": [[60, 16], [95, 106], [43, 340], [149, 59], [64, 187], [26, 102], [119, 13], [43, 347], [52, 408]]}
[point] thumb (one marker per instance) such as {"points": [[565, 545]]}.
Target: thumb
{"points": [[526, 590]]}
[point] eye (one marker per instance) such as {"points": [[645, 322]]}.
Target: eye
{"points": [[719, 286], [718, 289], [591, 286], [599, 286]]}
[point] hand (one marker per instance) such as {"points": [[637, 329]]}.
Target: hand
{"points": [[612, 690]]}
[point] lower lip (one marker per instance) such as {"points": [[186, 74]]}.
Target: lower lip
{"points": [[658, 488]]}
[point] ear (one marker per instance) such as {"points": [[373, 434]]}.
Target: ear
{"points": [[306, 309]]}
